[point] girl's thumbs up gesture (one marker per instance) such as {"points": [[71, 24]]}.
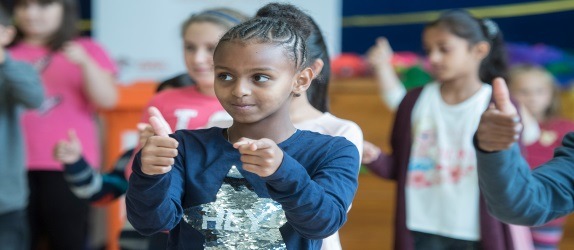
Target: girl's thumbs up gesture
{"points": [[157, 155], [68, 151], [500, 124]]}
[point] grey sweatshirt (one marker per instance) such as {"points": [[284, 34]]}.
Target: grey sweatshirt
{"points": [[20, 87]]}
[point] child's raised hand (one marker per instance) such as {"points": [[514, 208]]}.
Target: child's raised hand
{"points": [[370, 152], [159, 150], [159, 124], [261, 157], [76, 53], [145, 131], [380, 54], [7, 34], [499, 125], [68, 151]]}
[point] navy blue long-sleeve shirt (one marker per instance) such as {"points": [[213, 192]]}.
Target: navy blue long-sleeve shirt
{"points": [[208, 200], [517, 195]]}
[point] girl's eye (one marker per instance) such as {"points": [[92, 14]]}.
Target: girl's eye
{"points": [[189, 48], [224, 77], [260, 78]]}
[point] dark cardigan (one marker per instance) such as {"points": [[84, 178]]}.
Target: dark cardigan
{"points": [[495, 235]]}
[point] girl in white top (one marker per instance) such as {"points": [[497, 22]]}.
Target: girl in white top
{"points": [[441, 189], [310, 111]]}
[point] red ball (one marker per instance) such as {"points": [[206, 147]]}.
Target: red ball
{"points": [[349, 65]]}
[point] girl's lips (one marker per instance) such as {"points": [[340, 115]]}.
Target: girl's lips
{"points": [[241, 106]]}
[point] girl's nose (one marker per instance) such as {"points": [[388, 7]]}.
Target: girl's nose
{"points": [[201, 56], [241, 89], [433, 57]]}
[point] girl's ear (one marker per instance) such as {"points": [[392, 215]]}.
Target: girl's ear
{"points": [[303, 81], [482, 49]]}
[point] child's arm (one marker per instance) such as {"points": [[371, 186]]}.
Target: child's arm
{"points": [[513, 193], [153, 199], [22, 82], [370, 152], [99, 83], [391, 89], [377, 161], [84, 181], [382, 166], [517, 195], [315, 206]]}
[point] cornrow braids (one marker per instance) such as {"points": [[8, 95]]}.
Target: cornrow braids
{"points": [[317, 93], [287, 33]]}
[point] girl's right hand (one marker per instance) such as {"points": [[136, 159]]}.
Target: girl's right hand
{"points": [[370, 152], [145, 130], [159, 151], [380, 54]]}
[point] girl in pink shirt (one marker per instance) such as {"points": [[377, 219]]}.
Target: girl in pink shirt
{"points": [[195, 106], [78, 77]]}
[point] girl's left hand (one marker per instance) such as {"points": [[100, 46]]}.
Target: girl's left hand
{"points": [[76, 53], [370, 152], [261, 157], [68, 151]]}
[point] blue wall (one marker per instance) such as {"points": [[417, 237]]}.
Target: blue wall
{"points": [[551, 29]]}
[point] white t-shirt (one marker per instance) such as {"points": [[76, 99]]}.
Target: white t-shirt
{"points": [[329, 124], [442, 195]]}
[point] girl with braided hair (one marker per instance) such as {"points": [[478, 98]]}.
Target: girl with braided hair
{"points": [[311, 110], [261, 182]]}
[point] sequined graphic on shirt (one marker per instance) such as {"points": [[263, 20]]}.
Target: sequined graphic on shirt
{"points": [[238, 218]]}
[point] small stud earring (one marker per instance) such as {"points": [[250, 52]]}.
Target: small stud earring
{"points": [[296, 94]]}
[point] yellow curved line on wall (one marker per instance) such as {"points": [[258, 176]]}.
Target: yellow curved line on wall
{"points": [[84, 24], [508, 10]]}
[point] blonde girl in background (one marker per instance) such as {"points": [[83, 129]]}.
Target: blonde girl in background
{"points": [[536, 91]]}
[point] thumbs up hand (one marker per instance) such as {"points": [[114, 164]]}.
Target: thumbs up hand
{"points": [[500, 124], [159, 124], [380, 54], [146, 130], [501, 97], [68, 151], [159, 151]]}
